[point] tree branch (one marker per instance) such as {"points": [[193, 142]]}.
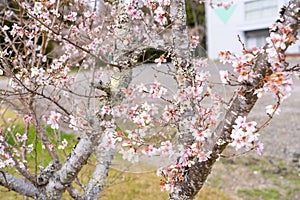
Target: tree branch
{"points": [[63, 178], [196, 176], [20, 186]]}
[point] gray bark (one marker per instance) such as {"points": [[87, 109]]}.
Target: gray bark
{"points": [[241, 105], [20, 186], [182, 63], [59, 181], [100, 174]]}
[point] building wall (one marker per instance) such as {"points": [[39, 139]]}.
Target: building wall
{"points": [[250, 19]]}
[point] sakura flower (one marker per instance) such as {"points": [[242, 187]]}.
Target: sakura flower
{"points": [[197, 91], [54, 119], [9, 162], [110, 139], [71, 17], [34, 72], [225, 57], [259, 148], [166, 148], [130, 155], [270, 109], [2, 165], [201, 76], [240, 121], [168, 113], [133, 13], [278, 40], [247, 58], [244, 134], [160, 16], [150, 150], [164, 3], [194, 42], [21, 138], [5, 28], [200, 135], [160, 60], [2, 149], [256, 50], [29, 148], [63, 144], [156, 91], [76, 123], [16, 30], [142, 119], [203, 156], [105, 110], [259, 92], [246, 76], [27, 118], [38, 6], [224, 76], [146, 106]]}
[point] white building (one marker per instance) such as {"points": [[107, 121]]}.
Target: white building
{"points": [[250, 19]]}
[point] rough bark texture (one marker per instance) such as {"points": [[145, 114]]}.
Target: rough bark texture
{"points": [[63, 178], [100, 174], [241, 105], [20, 186], [181, 59]]}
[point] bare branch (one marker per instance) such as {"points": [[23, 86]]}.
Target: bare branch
{"points": [[20, 186]]}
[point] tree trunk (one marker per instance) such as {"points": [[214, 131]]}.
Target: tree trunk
{"points": [[240, 106]]}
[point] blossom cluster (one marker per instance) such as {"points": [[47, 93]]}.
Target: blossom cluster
{"points": [[134, 9], [244, 135], [224, 4], [11, 155], [194, 41], [242, 65], [280, 81], [186, 158]]}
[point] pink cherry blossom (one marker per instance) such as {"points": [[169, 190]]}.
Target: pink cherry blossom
{"points": [[224, 76], [63, 144], [71, 17], [54, 119], [160, 16]]}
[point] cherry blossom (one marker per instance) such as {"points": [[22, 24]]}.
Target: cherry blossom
{"points": [[160, 16], [156, 90], [278, 40], [63, 144], [77, 122], [27, 118], [270, 109], [166, 148], [150, 151], [160, 60], [71, 17], [54, 119], [244, 134], [224, 76], [130, 155], [194, 42]]}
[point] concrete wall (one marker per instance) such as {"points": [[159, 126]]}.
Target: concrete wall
{"points": [[223, 26]]}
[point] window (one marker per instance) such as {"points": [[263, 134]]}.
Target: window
{"points": [[258, 9], [256, 38]]}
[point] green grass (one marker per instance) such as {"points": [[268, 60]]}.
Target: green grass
{"points": [[127, 186], [145, 186], [291, 192], [267, 193]]}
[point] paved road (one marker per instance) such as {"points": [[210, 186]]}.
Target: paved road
{"points": [[281, 138]]}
